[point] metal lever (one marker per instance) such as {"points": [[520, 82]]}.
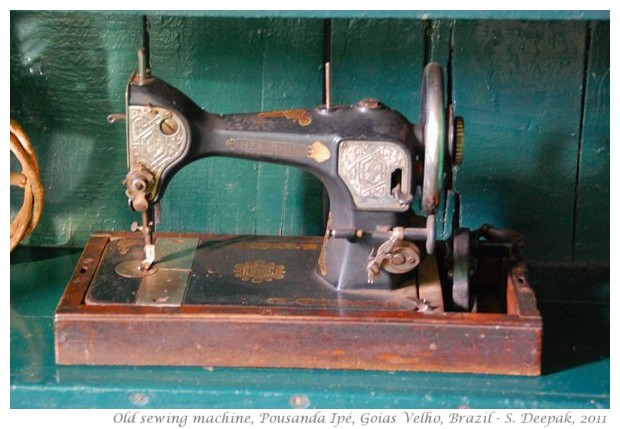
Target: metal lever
{"points": [[375, 261], [397, 254]]}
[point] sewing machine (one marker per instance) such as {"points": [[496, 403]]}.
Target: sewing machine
{"points": [[376, 291]]}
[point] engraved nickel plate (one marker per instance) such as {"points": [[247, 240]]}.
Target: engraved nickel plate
{"points": [[369, 169], [156, 138]]}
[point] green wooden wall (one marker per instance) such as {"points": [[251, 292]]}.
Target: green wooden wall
{"points": [[535, 96]]}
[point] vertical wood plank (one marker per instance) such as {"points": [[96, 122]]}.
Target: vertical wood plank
{"points": [[218, 63], [68, 72], [232, 66], [380, 58], [592, 227], [440, 38], [518, 85], [289, 199]]}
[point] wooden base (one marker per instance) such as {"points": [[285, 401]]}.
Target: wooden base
{"points": [[285, 336]]}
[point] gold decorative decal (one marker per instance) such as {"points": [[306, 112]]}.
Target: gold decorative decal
{"points": [[319, 152], [300, 116], [262, 245], [273, 148], [259, 271]]}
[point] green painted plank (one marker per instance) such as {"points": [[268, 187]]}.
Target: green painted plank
{"points": [[383, 59], [289, 200], [519, 126], [592, 235], [244, 388], [439, 34], [409, 14], [68, 72], [218, 63], [233, 66], [518, 86]]}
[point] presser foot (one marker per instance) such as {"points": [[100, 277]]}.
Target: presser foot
{"points": [[144, 267], [134, 268], [149, 253]]}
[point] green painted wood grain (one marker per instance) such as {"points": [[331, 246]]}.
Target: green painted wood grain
{"points": [[592, 229], [383, 59], [68, 72], [547, 15], [518, 84], [218, 63], [231, 66], [289, 200]]}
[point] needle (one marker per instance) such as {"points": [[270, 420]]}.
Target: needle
{"points": [[149, 248]]}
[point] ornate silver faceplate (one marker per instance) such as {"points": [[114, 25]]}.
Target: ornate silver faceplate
{"points": [[148, 144], [366, 167]]}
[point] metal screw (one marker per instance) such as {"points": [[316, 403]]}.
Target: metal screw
{"points": [[398, 259], [169, 126], [369, 103], [139, 398], [139, 185], [299, 401]]}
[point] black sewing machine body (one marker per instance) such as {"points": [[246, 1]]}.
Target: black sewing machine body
{"points": [[376, 291], [366, 155]]}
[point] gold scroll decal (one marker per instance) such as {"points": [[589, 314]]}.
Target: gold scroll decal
{"points": [[316, 151], [259, 271], [300, 116], [263, 245]]}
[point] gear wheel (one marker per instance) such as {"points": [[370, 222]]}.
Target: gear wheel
{"points": [[459, 137]]}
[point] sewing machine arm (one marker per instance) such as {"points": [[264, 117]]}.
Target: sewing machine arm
{"points": [[369, 157]]}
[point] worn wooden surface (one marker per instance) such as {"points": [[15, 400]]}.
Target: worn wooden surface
{"points": [[249, 332], [537, 147], [574, 304]]}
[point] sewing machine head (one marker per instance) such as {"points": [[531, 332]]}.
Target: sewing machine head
{"points": [[370, 159]]}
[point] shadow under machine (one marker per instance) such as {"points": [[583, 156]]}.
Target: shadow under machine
{"points": [[376, 291]]}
